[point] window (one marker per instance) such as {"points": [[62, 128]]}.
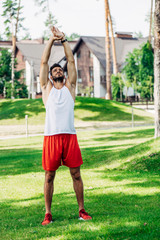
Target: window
{"points": [[91, 77], [79, 54], [79, 76], [90, 54]]}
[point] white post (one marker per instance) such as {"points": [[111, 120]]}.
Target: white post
{"points": [[32, 79], [26, 117]]}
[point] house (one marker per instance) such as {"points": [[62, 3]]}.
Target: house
{"points": [[90, 59]]}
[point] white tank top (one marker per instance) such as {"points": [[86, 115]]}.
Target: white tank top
{"points": [[59, 112]]}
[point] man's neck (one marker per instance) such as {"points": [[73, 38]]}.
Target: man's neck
{"points": [[58, 85]]}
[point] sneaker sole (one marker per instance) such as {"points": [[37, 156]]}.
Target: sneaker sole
{"points": [[47, 223]]}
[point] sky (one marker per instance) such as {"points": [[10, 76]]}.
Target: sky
{"points": [[86, 17]]}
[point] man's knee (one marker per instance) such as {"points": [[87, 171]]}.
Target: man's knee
{"points": [[49, 176], [75, 173]]}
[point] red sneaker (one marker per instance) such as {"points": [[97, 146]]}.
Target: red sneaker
{"points": [[83, 215], [47, 219]]}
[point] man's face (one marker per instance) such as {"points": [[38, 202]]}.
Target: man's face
{"points": [[57, 73]]}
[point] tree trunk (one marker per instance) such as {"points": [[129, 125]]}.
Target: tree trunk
{"points": [[12, 63], [115, 67], [108, 56], [150, 28], [157, 67], [14, 37]]}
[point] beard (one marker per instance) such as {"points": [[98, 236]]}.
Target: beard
{"points": [[58, 79]]}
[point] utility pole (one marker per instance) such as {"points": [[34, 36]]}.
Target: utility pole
{"points": [[108, 55], [156, 67], [115, 66], [150, 28]]}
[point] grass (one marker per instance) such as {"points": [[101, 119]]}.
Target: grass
{"points": [[86, 109], [121, 183]]}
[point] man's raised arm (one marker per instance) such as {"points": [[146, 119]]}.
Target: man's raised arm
{"points": [[44, 68], [72, 74]]}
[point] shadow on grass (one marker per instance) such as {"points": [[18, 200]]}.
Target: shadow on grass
{"points": [[98, 156], [115, 216], [146, 133], [19, 108], [20, 161], [106, 110]]}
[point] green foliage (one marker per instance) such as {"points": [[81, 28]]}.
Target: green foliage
{"points": [[73, 36], [5, 68], [20, 89], [131, 68], [117, 86], [138, 34], [12, 14], [50, 21], [139, 70], [146, 75]]}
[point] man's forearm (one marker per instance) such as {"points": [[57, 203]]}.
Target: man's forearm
{"points": [[47, 51], [68, 52]]}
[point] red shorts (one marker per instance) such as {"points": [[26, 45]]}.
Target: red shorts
{"points": [[61, 149]]}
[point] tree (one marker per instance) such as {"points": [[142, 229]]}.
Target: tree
{"points": [[150, 27], [11, 13], [146, 75], [115, 66], [117, 86], [150, 22], [5, 70], [108, 54], [138, 34], [50, 20], [157, 68], [139, 70], [20, 89], [131, 68], [73, 36]]}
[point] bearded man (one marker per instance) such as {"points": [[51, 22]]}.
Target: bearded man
{"points": [[60, 145]]}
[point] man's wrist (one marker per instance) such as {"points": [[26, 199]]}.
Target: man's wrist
{"points": [[62, 41], [63, 38]]}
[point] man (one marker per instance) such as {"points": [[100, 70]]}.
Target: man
{"points": [[60, 140]]}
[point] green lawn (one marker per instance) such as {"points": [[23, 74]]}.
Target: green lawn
{"points": [[121, 183], [86, 109]]}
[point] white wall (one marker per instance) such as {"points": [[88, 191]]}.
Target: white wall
{"points": [[38, 85], [28, 75], [75, 59], [96, 72]]}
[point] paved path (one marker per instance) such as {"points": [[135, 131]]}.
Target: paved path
{"points": [[91, 128], [19, 131], [149, 108]]}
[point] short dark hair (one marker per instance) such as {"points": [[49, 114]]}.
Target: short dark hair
{"points": [[53, 66]]}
